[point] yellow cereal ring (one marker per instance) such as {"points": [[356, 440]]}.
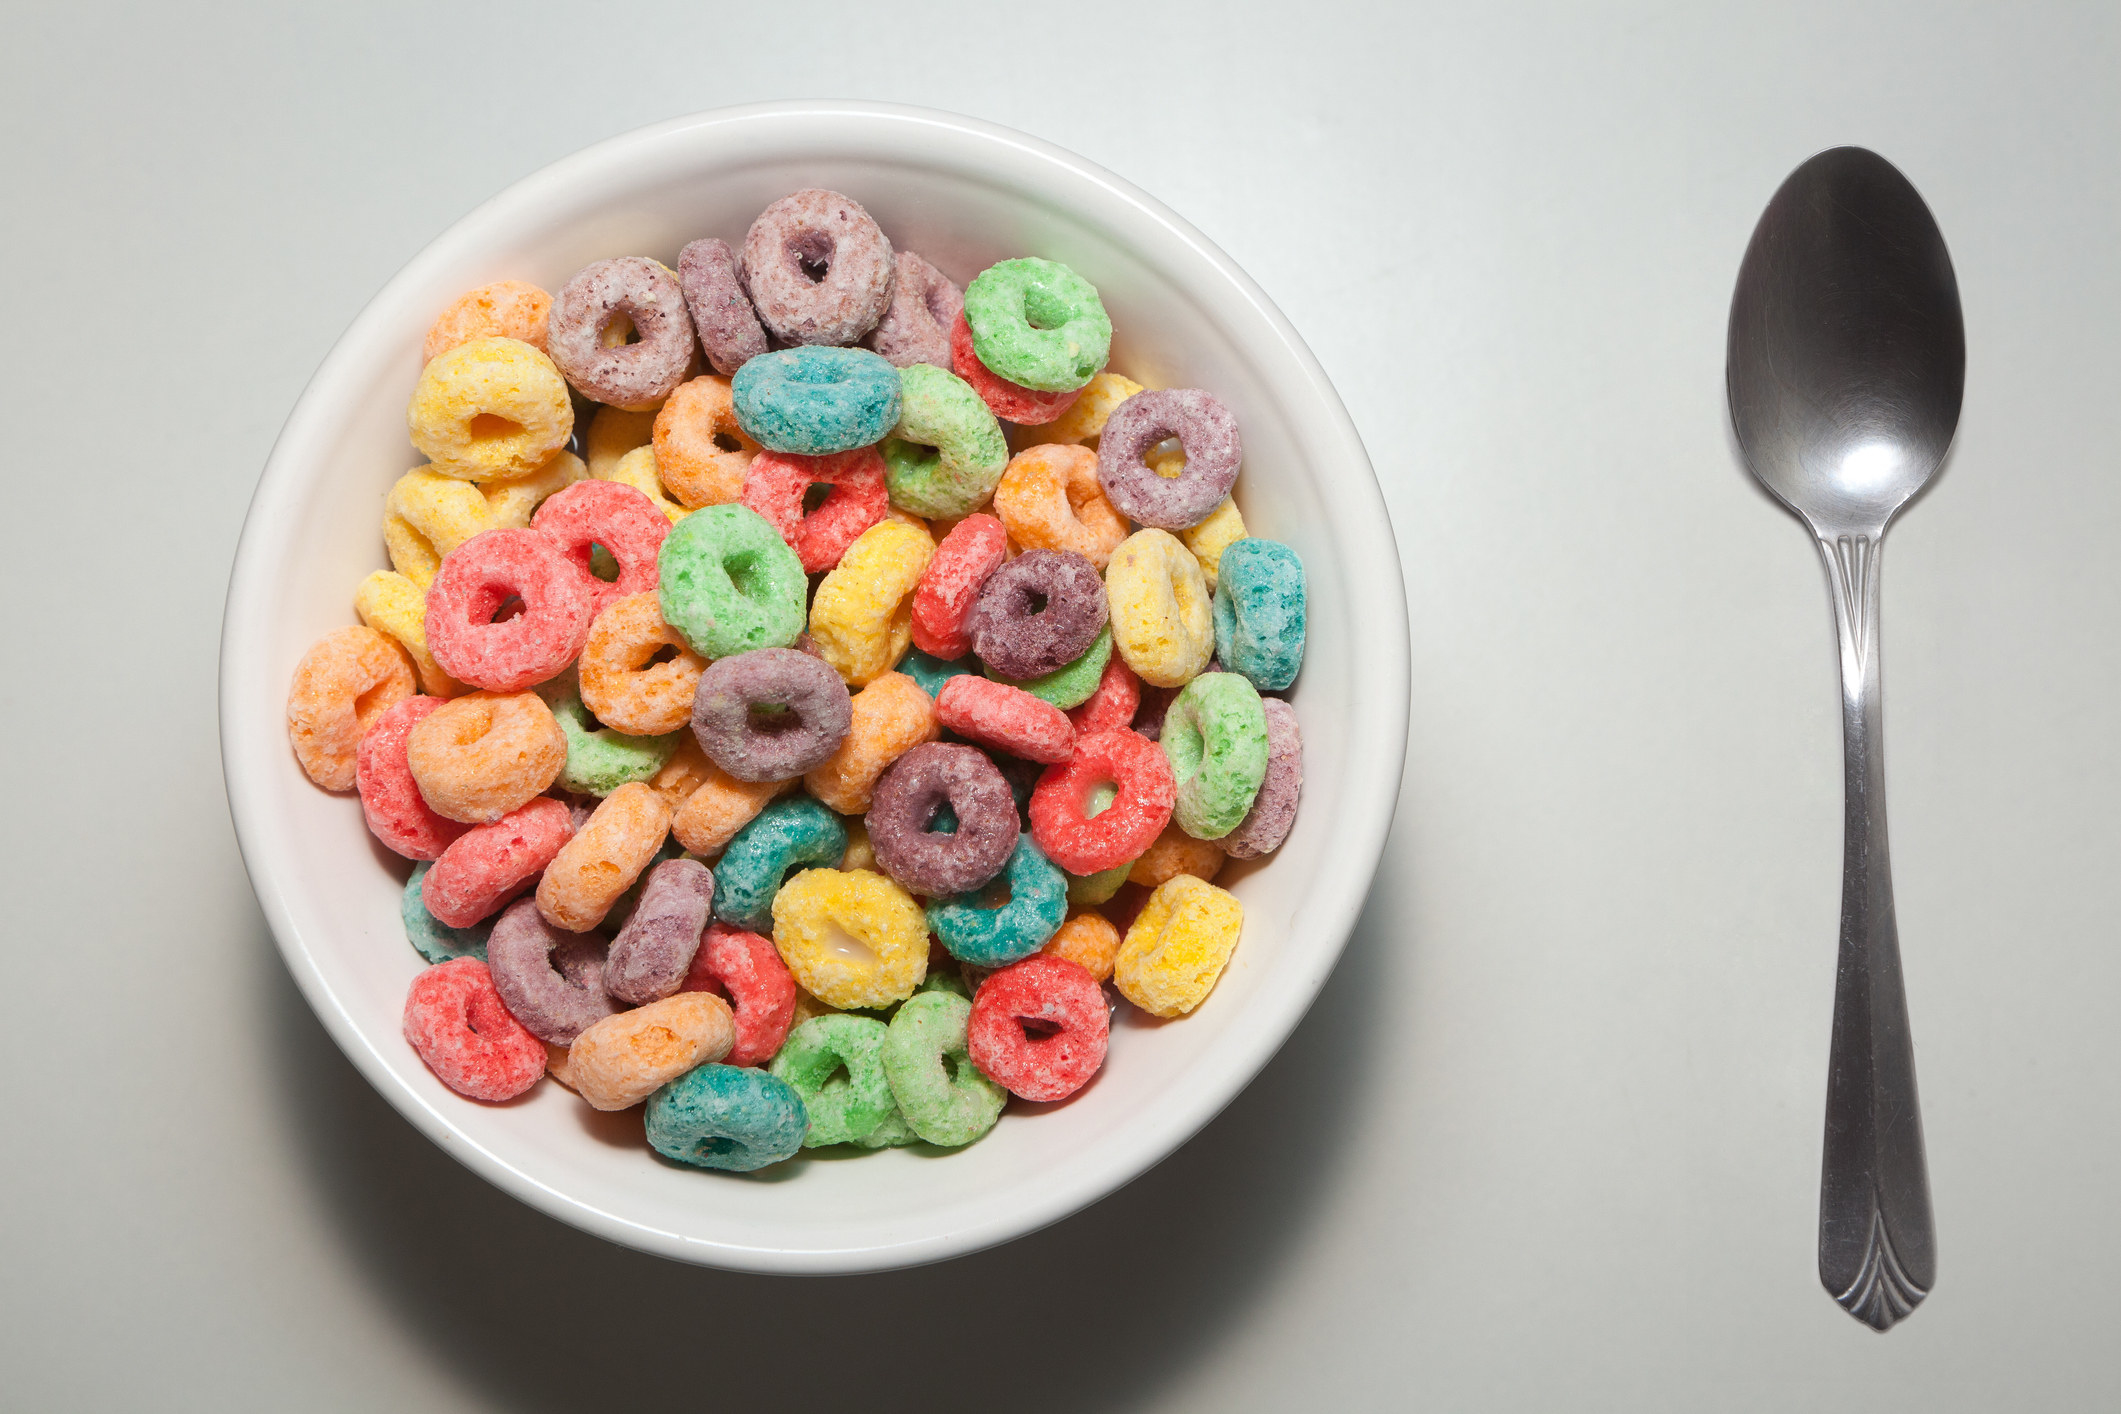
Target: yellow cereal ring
{"points": [[860, 853], [892, 715], [1174, 853], [638, 470], [1163, 621], [1224, 527], [484, 754], [506, 309], [488, 409], [619, 682], [1084, 421], [1088, 940], [512, 500], [1050, 499], [604, 858], [862, 615], [809, 1008], [623, 1059], [851, 940], [1178, 946], [613, 432], [347, 679], [427, 515], [700, 452], [390, 603], [720, 806]]}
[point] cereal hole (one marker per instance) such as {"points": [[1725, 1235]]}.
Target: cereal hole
{"points": [[771, 718], [943, 821], [995, 894], [603, 564], [815, 495], [727, 442], [618, 333], [1099, 799], [813, 255], [1038, 1028], [668, 653], [510, 608], [486, 426]]}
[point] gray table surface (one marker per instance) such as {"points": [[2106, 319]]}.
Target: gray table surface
{"points": [[1550, 1137]]}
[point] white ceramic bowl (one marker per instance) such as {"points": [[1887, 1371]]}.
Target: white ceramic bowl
{"points": [[964, 194]]}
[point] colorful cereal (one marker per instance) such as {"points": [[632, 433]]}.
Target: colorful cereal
{"points": [[748, 969], [455, 1021], [836, 1064], [729, 583], [853, 939], [886, 719], [989, 933], [1039, 1028], [626, 1057], [1178, 946], [601, 861], [636, 672], [702, 453], [346, 681], [726, 1117], [862, 615], [785, 836], [489, 409], [942, 1094], [947, 453], [551, 981], [476, 580], [478, 757]]}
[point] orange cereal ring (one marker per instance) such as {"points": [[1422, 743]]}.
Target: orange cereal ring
{"points": [[1174, 853], [700, 451], [390, 603], [627, 679], [685, 772], [1049, 499], [626, 1057], [719, 807], [892, 715], [506, 309], [604, 858], [1088, 940], [347, 679], [481, 755]]}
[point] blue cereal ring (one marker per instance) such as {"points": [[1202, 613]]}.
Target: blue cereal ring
{"points": [[932, 673], [998, 936], [1259, 612], [788, 834], [728, 583], [816, 400], [430, 937], [730, 1117]]}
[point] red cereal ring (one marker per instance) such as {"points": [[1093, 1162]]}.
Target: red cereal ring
{"points": [[511, 654], [455, 1021], [762, 993], [1005, 718], [615, 516], [1082, 843], [1039, 1028], [1012, 402], [1111, 705], [776, 483], [391, 802], [949, 587], [490, 864]]}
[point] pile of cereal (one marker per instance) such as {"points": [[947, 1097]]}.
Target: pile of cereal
{"points": [[778, 752]]}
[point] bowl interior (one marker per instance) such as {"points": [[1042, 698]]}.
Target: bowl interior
{"points": [[962, 195]]}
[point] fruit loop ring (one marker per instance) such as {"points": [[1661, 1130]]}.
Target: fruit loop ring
{"points": [[552, 982], [1039, 1028], [701, 451], [507, 655], [627, 1056], [455, 1021], [427, 515], [916, 324], [1273, 810], [891, 716], [1090, 890], [1073, 685], [903, 814], [1224, 527], [947, 452], [786, 835], [394, 606], [851, 939], [749, 970], [1084, 843], [818, 269], [654, 950], [1113, 703], [1215, 736], [1005, 718], [506, 309], [729, 583], [626, 679], [606, 854], [932, 673], [642, 292], [1024, 406], [482, 755], [344, 684], [1163, 622], [721, 312], [430, 937], [816, 400], [777, 483], [941, 1093], [836, 1063], [1174, 853], [600, 759], [1088, 940], [1038, 613], [1259, 613], [861, 618], [726, 1117], [617, 517], [989, 934], [730, 713], [942, 602], [1084, 421], [490, 409], [391, 802], [1038, 324], [1177, 946], [490, 864], [1206, 431], [720, 805], [1050, 499]]}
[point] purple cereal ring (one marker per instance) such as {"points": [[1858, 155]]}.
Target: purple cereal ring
{"points": [[637, 375], [916, 324], [652, 953], [729, 332], [817, 268], [552, 982], [1273, 810], [903, 810], [1039, 612], [758, 747], [1203, 427]]}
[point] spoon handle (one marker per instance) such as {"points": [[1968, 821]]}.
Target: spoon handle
{"points": [[1877, 1243]]}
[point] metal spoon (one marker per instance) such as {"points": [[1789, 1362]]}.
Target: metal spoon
{"points": [[1846, 362]]}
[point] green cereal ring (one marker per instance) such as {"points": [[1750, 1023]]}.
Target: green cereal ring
{"points": [[729, 583], [1215, 736], [836, 1063], [600, 760], [947, 453], [944, 979], [1090, 890], [940, 1091], [430, 937], [1038, 324], [1071, 684], [893, 1133]]}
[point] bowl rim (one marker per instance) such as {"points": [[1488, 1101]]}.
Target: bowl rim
{"points": [[1381, 675]]}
